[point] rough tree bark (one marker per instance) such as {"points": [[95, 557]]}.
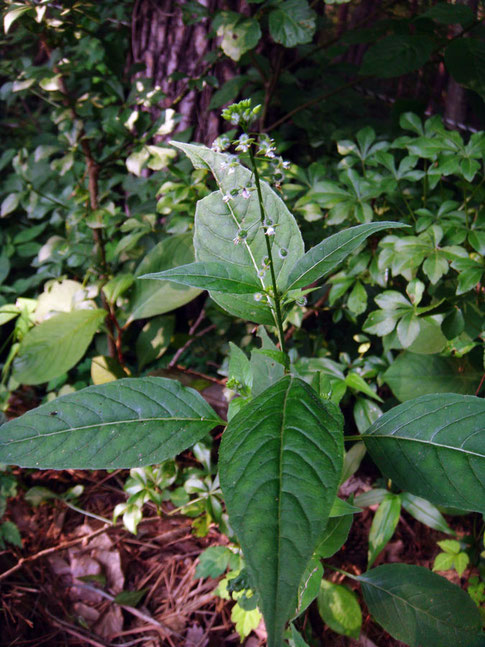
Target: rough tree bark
{"points": [[165, 45]]}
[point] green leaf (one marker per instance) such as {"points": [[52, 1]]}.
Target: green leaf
{"points": [[450, 14], [325, 257], [122, 424], [130, 598], [443, 562], [425, 512], [453, 324], [245, 621], [374, 496], [335, 536], [352, 460], [477, 241], [292, 23], [435, 266], [357, 301], [9, 204], [460, 563], [213, 562], [105, 369], [408, 329], [421, 608], [365, 413], [450, 546], [396, 54], [411, 375], [56, 345], [383, 525], [15, 11], [213, 276], [433, 447], [280, 464], [219, 223], [9, 532], [154, 339], [339, 609], [309, 585], [239, 34], [239, 366], [341, 508], [355, 381], [150, 298], [296, 638], [265, 371]]}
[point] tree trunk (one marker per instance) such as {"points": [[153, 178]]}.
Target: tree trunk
{"points": [[456, 105], [166, 46]]}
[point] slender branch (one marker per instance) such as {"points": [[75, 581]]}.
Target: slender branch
{"points": [[52, 549]]}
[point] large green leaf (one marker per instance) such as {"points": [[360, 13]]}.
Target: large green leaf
{"points": [[397, 54], [292, 23], [327, 255], [280, 464], [218, 224], [150, 298], [213, 276], [421, 608], [413, 374], [434, 447], [126, 423], [56, 345]]}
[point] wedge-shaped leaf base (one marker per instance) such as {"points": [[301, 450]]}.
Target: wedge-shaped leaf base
{"points": [[213, 276], [280, 464], [434, 447], [127, 423], [421, 608]]}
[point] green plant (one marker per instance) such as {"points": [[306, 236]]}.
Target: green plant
{"points": [[282, 453]]}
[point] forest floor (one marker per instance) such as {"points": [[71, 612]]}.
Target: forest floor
{"points": [[43, 601]]}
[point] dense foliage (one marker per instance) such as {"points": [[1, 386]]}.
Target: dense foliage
{"points": [[110, 236]]}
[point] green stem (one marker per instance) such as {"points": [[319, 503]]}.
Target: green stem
{"points": [[276, 294], [88, 514], [339, 570]]}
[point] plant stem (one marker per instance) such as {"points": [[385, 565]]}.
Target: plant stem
{"points": [[276, 294], [339, 570]]}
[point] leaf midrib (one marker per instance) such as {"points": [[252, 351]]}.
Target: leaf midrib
{"points": [[416, 609], [105, 424], [280, 491], [325, 258], [424, 442]]}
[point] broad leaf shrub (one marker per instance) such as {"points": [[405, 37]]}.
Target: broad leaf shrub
{"points": [[282, 457]]}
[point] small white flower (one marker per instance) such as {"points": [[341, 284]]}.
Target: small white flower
{"points": [[226, 197], [258, 296], [245, 194], [286, 164], [236, 240], [270, 231]]}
